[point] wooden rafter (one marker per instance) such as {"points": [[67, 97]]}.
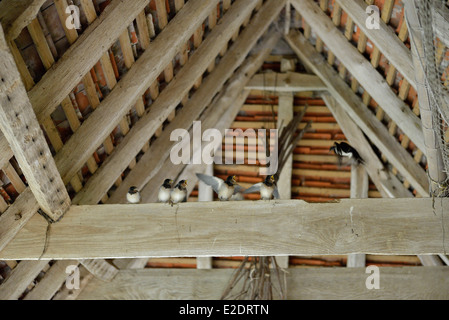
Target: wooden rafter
{"points": [[303, 284], [20, 127], [76, 62], [441, 24], [433, 151], [136, 81], [233, 58], [352, 104], [368, 77], [289, 227], [167, 101], [17, 14], [225, 108]]}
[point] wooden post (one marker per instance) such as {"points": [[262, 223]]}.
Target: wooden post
{"points": [[359, 190], [205, 193]]}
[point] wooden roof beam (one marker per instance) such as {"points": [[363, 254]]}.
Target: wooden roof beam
{"points": [[286, 82], [220, 228], [167, 101], [17, 14], [77, 61], [133, 84], [361, 115], [368, 77], [441, 24], [383, 38], [22, 130], [303, 284]]}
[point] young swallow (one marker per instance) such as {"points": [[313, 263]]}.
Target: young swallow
{"points": [[165, 191], [225, 189], [345, 150], [268, 188], [133, 195], [179, 193]]}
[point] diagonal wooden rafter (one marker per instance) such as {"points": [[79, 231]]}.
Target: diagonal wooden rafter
{"points": [[289, 227], [143, 72], [368, 77], [352, 104], [149, 165], [64, 75], [17, 14], [396, 283], [104, 178], [20, 127], [383, 38], [441, 24]]}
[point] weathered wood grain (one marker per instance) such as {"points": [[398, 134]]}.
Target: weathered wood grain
{"points": [[26, 139], [219, 228], [396, 283]]}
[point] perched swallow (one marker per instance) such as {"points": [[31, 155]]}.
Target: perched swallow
{"points": [[165, 191], [345, 150], [268, 189], [179, 193], [225, 189], [133, 195]]}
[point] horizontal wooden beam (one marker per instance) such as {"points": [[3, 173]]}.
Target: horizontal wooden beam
{"points": [[76, 62], [136, 81], [286, 82], [17, 14], [26, 139], [396, 283], [365, 119], [384, 38], [368, 77], [220, 228]]}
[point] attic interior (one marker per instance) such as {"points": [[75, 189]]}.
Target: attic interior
{"points": [[92, 90]]}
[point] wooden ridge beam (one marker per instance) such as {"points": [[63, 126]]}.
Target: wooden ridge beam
{"points": [[256, 228], [143, 72], [369, 124], [77, 61], [286, 82], [368, 77], [383, 38], [396, 283], [139, 134], [26, 139], [17, 14]]}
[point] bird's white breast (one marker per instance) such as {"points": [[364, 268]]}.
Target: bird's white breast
{"points": [[164, 194], [133, 198], [225, 192], [177, 195], [266, 192]]}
